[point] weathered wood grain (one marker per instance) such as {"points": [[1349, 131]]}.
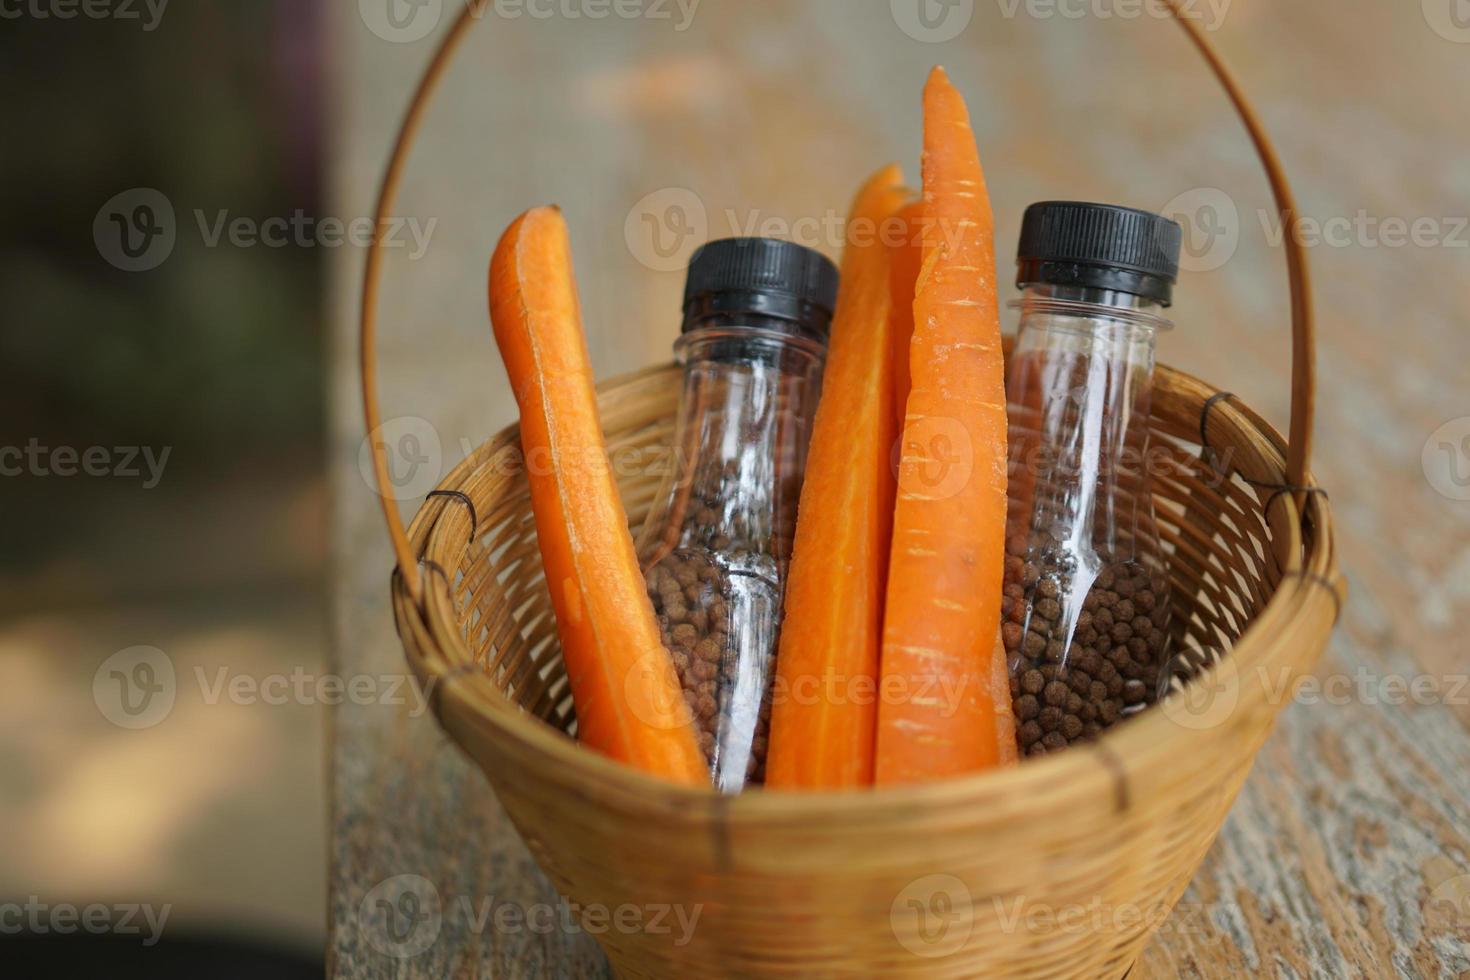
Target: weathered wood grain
{"points": [[1348, 852]]}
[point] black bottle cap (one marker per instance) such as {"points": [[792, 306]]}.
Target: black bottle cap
{"points": [[764, 277], [1069, 243]]}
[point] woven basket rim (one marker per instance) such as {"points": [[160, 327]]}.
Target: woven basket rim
{"points": [[461, 695]]}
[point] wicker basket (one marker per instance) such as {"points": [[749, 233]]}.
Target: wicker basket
{"points": [[1061, 867]]}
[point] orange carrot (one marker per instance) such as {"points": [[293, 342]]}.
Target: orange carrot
{"points": [[623, 683], [908, 256], [827, 668], [938, 713]]}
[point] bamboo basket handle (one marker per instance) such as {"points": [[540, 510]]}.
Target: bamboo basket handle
{"points": [[1303, 331]]}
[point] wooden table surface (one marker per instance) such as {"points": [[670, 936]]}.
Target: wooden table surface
{"points": [[1348, 852]]}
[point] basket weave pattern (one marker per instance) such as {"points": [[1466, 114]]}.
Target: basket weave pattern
{"points": [[1062, 866]]}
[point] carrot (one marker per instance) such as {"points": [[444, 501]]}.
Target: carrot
{"points": [[623, 683], [938, 713], [827, 666], [908, 256]]}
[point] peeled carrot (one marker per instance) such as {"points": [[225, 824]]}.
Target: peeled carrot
{"points": [[938, 716], [908, 257], [627, 695], [827, 666]]}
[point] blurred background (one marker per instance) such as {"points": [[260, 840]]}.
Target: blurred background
{"points": [[197, 525], [184, 509]]}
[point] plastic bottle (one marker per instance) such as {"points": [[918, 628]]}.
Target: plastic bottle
{"points": [[716, 545], [1086, 606]]}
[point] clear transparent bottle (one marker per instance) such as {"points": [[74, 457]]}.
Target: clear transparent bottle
{"points": [[716, 546], [1086, 605]]}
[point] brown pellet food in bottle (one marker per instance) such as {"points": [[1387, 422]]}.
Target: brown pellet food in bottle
{"points": [[695, 601], [1064, 694]]}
